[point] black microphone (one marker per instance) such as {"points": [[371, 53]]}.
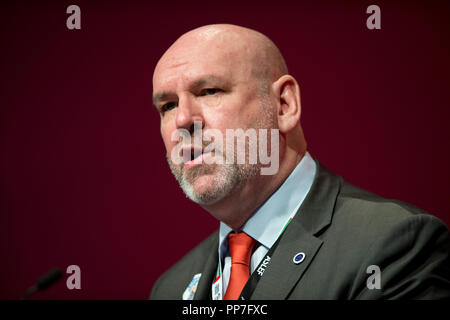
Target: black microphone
{"points": [[44, 282]]}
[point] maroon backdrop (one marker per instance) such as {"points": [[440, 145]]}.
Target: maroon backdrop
{"points": [[84, 179]]}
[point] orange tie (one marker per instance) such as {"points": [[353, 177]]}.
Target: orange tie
{"points": [[241, 246]]}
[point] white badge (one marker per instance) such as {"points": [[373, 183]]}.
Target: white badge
{"points": [[189, 293], [217, 289]]}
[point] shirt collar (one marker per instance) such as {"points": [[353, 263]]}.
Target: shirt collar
{"points": [[266, 224]]}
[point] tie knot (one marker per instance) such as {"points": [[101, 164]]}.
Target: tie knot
{"points": [[241, 246]]}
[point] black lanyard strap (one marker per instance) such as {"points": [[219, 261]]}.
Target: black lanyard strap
{"points": [[251, 284]]}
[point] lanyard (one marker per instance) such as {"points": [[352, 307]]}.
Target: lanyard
{"points": [[217, 284], [251, 284]]}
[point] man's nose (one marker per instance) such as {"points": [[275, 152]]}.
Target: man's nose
{"points": [[188, 113]]}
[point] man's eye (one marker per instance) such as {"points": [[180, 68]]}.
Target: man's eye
{"points": [[210, 91], [167, 107]]}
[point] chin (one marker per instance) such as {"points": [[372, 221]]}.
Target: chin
{"points": [[204, 184], [207, 189]]}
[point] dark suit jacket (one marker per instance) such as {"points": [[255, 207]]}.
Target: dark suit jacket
{"points": [[342, 230]]}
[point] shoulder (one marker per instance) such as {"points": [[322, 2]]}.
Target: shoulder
{"points": [[172, 283], [409, 245], [359, 215], [364, 218], [366, 210]]}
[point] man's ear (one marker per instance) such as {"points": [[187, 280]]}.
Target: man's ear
{"points": [[288, 94]]}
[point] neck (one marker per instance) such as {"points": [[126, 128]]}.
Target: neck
{"points": [[236, 208]]}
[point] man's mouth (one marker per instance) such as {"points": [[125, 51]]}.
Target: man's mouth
{"points": [[192, 156], [190, 152]]}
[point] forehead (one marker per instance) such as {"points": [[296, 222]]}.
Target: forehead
{"points": [[185, 63], [184, 72]]}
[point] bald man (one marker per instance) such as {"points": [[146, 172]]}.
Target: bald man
{"points": [[299, 231]]}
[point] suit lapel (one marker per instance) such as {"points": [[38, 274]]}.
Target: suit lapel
{"points": [[204, 285], [282, 274]]}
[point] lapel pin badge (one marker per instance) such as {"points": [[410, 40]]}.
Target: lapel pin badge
{"points": [[299, 257]]}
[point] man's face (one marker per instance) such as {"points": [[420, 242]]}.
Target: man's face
{"points": [[212, 84]]}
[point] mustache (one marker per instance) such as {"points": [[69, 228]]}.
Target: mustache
{"points": [[183, 176], [189, 151]]}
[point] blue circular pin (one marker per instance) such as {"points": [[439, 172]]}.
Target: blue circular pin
{"points": [[299, 257]]}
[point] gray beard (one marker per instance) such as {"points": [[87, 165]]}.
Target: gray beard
{"points": [[228, 178]]}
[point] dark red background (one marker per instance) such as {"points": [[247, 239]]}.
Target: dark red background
{"points": [[83, 175]]}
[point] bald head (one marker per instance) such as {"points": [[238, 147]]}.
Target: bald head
{"points": [[235, 47]]}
